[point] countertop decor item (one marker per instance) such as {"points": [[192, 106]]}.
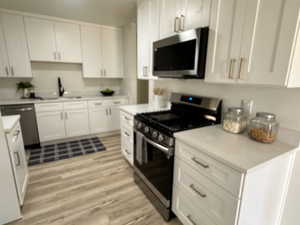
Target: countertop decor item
{"points": [[159, 97], [263, 128], [107, 92], [25, 87], [235, 120]]}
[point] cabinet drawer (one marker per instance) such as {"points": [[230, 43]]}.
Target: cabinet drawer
{"points": [[126, 119], [95, 104], [187, 213], [75, 105], [116, 102], [48, 107], [228, 178], [206, 195]]}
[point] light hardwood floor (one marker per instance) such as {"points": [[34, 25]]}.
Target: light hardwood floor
{"points": [[95, 189]]}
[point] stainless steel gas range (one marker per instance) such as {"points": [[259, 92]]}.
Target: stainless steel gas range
{"points": [[154, 143]]}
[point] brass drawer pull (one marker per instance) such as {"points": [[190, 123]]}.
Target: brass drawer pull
{"points": [[205, 166]]}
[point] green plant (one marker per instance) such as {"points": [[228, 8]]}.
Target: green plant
{"points": [[24, 85], [107, 90]]}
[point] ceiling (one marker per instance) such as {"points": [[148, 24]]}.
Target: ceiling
{"points": [[106, 12]]}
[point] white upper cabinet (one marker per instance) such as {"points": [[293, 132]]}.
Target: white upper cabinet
{"points": [[112, 52], [195, 14], [51, 41], [91, 51], [263, 58], [18, 64], [4, 64], [148, 32], [41, 39], [220, 60], [68, 42], [169, 17], [180, 15], [254, 42]]}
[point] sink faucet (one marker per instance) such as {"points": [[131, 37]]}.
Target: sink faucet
{"points": [[61, 89]]}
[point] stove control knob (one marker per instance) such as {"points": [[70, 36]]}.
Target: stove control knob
{"points": [[146, 129], [161, 138], [154, 134]]}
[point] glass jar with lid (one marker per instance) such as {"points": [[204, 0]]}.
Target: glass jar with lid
{"points": [[263, 128], [235, 120]]}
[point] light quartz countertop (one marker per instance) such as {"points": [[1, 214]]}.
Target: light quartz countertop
{"points": [[141, 108], [9, 122], [62, 99], [237, 151]]}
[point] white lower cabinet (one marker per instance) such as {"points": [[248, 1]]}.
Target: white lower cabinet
{"points": [[19, 162], [77, 122], [71, 119], [51, 125], [127, 136]]}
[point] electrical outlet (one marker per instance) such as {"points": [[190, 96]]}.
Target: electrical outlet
{"points": [[247, 105]]}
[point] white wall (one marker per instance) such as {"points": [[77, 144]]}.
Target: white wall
{"points": [[285, 103], [45, 81]]}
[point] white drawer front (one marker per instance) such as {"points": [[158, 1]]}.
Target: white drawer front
{"points": [[95, 104], [206, 195], [187, 213], [228, 178], [121, 101], [75, 105], [127, 144], [126, 119], [49, 107]]}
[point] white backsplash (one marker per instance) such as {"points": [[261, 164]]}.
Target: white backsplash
{"points": [[45, 81], [281, 101]]}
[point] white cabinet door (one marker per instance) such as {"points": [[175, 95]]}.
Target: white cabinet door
{"points": [[170, 12], [91, 51], [16, 44], [112, 52], [51, 125], [41, 39], [68, 42], [148, 32], [196, 14], [224, 40], [4, 64], [114, 118], [261, 61], [77, 122], [144, 47], [99, 120]]}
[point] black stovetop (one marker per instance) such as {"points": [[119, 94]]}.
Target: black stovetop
{"points": [[173, 121]]}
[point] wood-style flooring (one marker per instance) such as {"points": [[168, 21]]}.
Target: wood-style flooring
{"points": [[95, 189]]}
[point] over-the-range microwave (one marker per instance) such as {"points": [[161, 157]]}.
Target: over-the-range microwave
{"points": [[182, 55]]}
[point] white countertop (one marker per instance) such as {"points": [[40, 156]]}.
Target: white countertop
{"points": [[141, 108], [9, 122], [36, 101], [236, 151]]}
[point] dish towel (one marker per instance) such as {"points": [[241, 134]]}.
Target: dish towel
{"points": [[139, 147]]}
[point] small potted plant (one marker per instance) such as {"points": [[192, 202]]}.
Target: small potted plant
{"points": [[25, 87]]}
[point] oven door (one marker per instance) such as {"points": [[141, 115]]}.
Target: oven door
{"points": [[153, 163]]}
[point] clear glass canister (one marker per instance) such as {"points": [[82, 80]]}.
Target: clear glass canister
{"points": [[263, 127], [235, 120]]}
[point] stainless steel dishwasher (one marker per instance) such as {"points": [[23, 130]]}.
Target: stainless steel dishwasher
{"points": [[28, 122]]}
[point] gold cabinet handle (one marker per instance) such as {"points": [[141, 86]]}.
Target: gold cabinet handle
{"points": [[241, 67], [182, 21], [231, 68], [177, 24]]}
